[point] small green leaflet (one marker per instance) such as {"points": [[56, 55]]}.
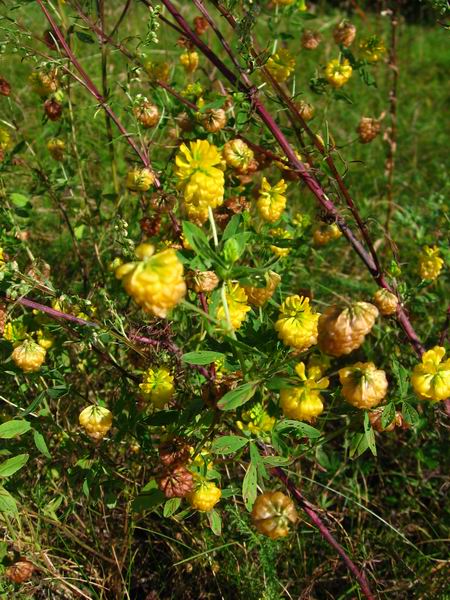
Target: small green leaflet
{"points": [[300, 428], [410, 414], [402, 376], [40, 444], [7, 502], [198, 240], [215, 522], [237, 397], [148, 500], [12, 428], [12, 465], [388, 415], [228, 444], [171, 506], [249, 490], [18, 200], [205, 357]]}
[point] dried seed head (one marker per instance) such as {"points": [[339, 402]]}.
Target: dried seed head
{"points": [[213, 120], [177, 482], [150, 226], [202, 281], [53, 109], [201, 25], [305, 109], [344, 33], [5, 87], [375, 420], [310, 39], [174, 452], [368, 129], [20, 571]]}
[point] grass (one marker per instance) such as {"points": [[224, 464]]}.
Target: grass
{"points": [[390, 511]]}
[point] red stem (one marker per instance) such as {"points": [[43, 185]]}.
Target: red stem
{"points": [[325, 532], [89, 84]]}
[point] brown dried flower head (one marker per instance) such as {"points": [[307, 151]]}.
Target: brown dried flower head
{"points": [[368, 129], [20, 571], [53, 109], [201, 25], [344, 33], [5, 87], [177, 482], [310, 39], [174, 451], [202, 281]]}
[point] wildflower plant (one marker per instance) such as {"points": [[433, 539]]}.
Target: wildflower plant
{"points": [[212, 322]]}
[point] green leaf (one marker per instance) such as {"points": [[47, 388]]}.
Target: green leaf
{"points": [[410, 414], [12, 428], [40, 444], [237, 397], [198, 240], [84, 37], [388, 415], [148, 501], [249, 490], [215, 522], [18, 200], [205, 357], [12, 465], [402, 376], [232, 227], [300, 428], [228, 444], [171, 506], [7, 502], [371, 444], [358, 445], [277, 461]]}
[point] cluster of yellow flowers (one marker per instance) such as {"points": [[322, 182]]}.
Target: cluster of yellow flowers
{"points": [[272, 200], [430, 263], [256, 421], [158, 387], [199, 170], [297, 324], [304, 402], [281, 64], [156, 281], [236, 304], [338, 72]]}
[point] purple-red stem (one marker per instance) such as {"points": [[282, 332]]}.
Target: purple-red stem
{"points": [[325, 532], [89, 84], [57, 314]]}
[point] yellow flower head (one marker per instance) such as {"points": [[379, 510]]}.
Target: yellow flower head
{"points": [[158, 387], [325, 233], [199, 170], [297, 323], [281, 233], [205, 496], [430, 263], [96, 421], [237, 305], [271, 201], [5, 140], [281, 64], [431, 378], [140, 180], [338, 72], [363, 385], [29, 356], [156, 283], [189, 61], [372, 49], [238, 155], [156, 70], [305, 402]]}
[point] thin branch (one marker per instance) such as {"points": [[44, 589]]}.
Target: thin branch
{"points": [[89, 84]]}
